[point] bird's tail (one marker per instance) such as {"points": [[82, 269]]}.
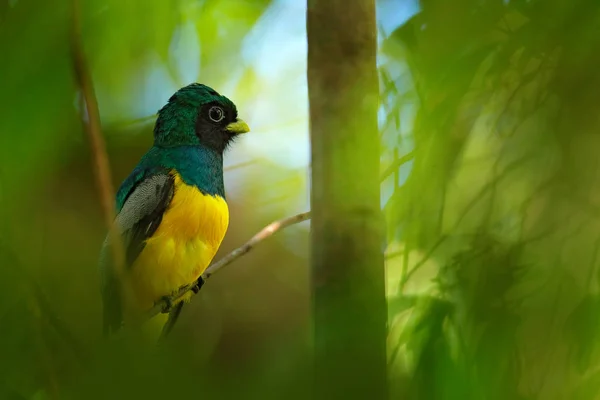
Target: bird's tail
{"points": [[173, 317]]}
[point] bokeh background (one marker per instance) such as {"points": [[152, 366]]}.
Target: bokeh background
{"points": [[490, 157]]}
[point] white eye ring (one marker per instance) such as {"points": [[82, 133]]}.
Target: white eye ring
{"points": [[216, 114]]}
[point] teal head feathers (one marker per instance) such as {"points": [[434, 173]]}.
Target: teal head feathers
{"points": [[190, 135], [197, 115]]}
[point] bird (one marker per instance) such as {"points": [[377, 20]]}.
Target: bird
{"points": [[171, 211]]}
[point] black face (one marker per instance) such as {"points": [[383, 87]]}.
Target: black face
{"points": [[211, 124]]}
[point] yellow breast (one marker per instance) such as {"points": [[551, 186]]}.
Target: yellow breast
{"points": [[182, 247]]}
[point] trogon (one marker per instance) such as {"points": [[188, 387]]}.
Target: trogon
{"points": [[171, 210]]}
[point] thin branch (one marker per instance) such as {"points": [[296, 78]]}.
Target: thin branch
{"points": [[404, 270], [269, 230], [145, 120], [394, 254], [239, 165], [486, 188], [92, 127], [422, 261], [397, 164], [525, 79], [93, 130]]}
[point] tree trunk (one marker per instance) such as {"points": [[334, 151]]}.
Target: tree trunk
{"points": [[349, 303]]}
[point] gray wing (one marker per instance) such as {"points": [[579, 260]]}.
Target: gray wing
{"points": [[138, 219]]}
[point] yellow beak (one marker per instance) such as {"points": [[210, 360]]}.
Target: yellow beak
{"points": [[238, 126]]}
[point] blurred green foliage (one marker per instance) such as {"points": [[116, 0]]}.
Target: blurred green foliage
{"points": [[493, 224], [494, 235]]}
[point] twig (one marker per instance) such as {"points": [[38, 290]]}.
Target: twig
{"points": [[394, 254], [486, 188], [267, 231], [239, 165], [397, 164], [422, 261]]}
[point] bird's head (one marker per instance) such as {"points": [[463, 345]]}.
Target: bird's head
{"points": [[197, 115]]}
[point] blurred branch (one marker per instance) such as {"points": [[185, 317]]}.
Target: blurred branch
{"points": [[92, 126], [592, 270], [45, 358], [524, 81], [239, 165], [491, 185], [263, 234], [397, 164], [422, 261], [165, 305], [94, 133], [394, 254], [59, 326], [145, 120], [44, 306], [486, 188]]}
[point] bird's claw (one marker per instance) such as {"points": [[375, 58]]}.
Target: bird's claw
{"points": [[168, 301], [167, 304], [199, 283]]}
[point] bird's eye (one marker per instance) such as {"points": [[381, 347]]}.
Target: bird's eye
{"points": [[216, 114]]}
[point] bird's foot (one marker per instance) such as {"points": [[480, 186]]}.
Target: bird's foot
{"points": [[167, 304], [199, 283]]}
